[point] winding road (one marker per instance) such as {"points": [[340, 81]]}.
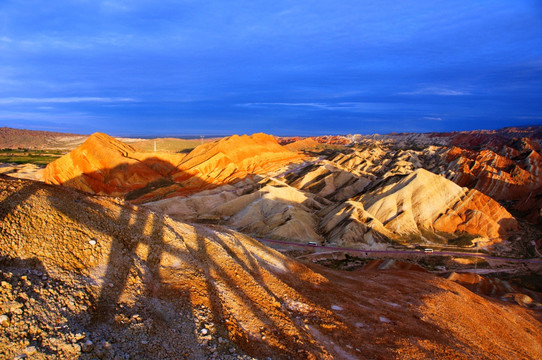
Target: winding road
{"points": [[407, 252]]}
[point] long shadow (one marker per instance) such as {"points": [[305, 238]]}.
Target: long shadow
{"points": [[130, 227], [120, 262], [154, 257], [220, 275], [126, 228]]}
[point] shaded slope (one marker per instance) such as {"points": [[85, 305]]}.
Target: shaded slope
{"points": [[329, 181], [266, 209], [153, 285], [347, 174]]}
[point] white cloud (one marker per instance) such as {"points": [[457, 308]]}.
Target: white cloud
{"points": [[433, 118], [347, 106], [13, 118], [271, 104], [116, 6], [58, 100], [76, 42], [529, 117], [436, 91]]}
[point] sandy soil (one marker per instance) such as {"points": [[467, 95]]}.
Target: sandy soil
{"points": [[93, 277]]}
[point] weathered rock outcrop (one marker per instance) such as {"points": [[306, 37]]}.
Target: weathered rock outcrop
{"points": [[501, 177], [267, 210], [347, 174], [329, 181], [495, 287], [421, 206], [379, 162], [514, 174]]}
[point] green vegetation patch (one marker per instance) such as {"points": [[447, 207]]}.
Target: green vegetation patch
{"points": [[464, 240], [439, 238], [26, 156], [349, 263]]}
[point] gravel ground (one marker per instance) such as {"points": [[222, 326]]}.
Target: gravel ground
{"points": [[90, 277], [44, 317]]}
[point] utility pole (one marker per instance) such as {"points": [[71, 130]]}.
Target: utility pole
{"points": [[154, 145]]}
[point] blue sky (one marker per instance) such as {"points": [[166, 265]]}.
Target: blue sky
{"points": [[192, 67]]}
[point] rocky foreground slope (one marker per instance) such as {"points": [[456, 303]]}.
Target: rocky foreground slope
{"points": [[89, 277]]}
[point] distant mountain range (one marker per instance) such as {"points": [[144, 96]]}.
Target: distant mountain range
{"points": [[36, 139]]}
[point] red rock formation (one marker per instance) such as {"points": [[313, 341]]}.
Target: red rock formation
{"points": [[477, 213], [511, 174], [333, 140], [234, 158], [287, 140], [304, 144], [103, 165], [490, 139]]}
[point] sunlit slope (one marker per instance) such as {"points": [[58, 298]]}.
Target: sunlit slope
{"points": [[235, 157], [417, 208], [265, 209], [103, 165]]}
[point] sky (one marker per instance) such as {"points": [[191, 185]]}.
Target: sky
{"points": [[303, 67]]}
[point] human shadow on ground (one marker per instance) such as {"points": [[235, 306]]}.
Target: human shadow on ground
{"points": [[128, 228], [180, 265]]}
